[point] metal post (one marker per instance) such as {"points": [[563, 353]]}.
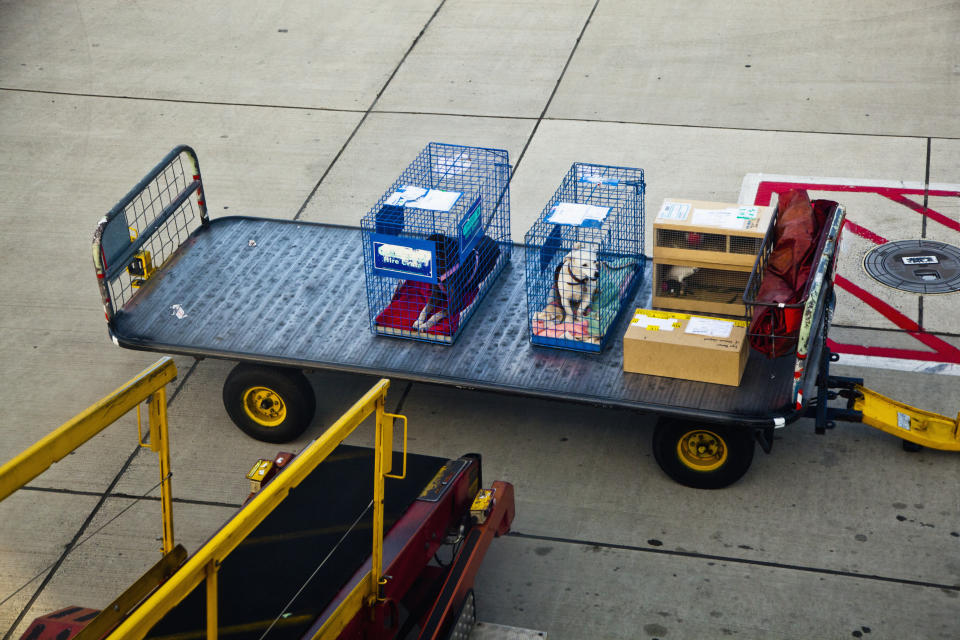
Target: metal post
{"points": [[160, 443], [211, 580], [383, 459], [823, 392]]}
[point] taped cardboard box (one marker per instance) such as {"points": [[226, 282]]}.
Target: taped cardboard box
{"points": [[690, 347]]}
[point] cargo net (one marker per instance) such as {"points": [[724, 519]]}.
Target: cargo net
{"points": [[436, 240], [702, 289], [584, 256], [142, 231]]}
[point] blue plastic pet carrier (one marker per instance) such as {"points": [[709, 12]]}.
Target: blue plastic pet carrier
{"points": [[584, 257], [436, 240]]}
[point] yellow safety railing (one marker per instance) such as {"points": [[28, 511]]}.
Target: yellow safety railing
{"points": [[149, 385], [204, 564]]}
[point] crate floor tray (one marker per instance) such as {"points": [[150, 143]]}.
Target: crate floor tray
{"points": [[292, 293]]}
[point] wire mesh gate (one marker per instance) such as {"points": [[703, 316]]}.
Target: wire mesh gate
{"points": [[435, 242], [584, 256]]}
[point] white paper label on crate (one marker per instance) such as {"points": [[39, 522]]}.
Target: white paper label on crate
{"points": [[577, 214], [903, 421], [748, 213], [712, 327], [722, 218], [654, 324], [420, 198], [673, 211], [593, 178]]}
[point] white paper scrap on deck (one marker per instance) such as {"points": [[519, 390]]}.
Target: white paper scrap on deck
{"points": [[420, 198], [576, 214], [722, 218], [712, 327], [661, 324]]}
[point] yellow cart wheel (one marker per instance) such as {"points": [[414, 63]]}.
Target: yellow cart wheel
{"points": [[264, 406], [702, 456], [702, 450], [269, 403]]}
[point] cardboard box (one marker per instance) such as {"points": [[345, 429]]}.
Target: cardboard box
{"points": [[680, 345], [715, 232]]}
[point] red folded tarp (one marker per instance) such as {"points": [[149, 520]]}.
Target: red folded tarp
{"points": [[773, 330]]}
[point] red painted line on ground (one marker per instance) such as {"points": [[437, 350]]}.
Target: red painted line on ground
{"points": [[884, 308], [888, 352], [863, 232], [767, 188], [930, 213], [942, 351]]}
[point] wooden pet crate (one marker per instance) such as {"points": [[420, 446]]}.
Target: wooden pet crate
{"points": [[714, 232], [703, 253]]}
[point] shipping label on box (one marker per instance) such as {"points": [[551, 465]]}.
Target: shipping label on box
{"points": [[689, 347]]}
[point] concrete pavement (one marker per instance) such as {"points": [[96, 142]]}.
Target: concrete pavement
{"points": [[310, 109]]}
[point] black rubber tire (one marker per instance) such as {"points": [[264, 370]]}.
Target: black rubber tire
{"points": [[738, 444], [910, 447], [290, 386]]}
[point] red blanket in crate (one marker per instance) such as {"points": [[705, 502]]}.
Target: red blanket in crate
{"points": [[409, 300], [773, 331]]}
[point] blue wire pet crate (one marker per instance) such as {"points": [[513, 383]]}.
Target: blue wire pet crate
{"points": [[584, 257], [436, 240]]}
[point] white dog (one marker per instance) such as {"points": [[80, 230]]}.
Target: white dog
{"points": [[574, 285]]}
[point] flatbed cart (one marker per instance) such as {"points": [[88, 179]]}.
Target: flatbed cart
{"points": [[335, 541], [284, 296]]}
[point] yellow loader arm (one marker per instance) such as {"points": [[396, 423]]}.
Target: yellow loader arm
{"points": [[925, 428]]}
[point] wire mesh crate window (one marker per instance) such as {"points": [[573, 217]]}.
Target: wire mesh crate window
{"points": [[694, 240], [584, 256], [744, 245], [699, 288], [435, 242]]}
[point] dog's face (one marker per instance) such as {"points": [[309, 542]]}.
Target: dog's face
{"points": [[582, 261]]}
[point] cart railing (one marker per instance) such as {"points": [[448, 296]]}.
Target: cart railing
{"points": [[814, 307], [203, 565], [147, 226], [149, 385]]}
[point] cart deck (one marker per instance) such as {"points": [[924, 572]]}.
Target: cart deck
{"points": [[292, 293]]}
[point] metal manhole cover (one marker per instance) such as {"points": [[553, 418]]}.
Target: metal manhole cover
{"points": [[919, 266]]}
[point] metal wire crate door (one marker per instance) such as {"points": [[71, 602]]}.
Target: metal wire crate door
{"points": [[584, 256], [436, 240]]}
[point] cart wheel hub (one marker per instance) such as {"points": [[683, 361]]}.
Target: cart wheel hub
{"points": [[264, 406], [702, 450]]}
